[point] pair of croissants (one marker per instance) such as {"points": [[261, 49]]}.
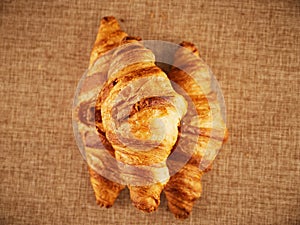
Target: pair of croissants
{"points": [[150, 115]]}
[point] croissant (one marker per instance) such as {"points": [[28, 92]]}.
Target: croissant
{"points": [[185, 186], [162, 109], [109, 37], [163, 130], [140, 113]]}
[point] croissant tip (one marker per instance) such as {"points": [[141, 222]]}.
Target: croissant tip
{"points": [[179, 213], [186, 43], [182, 216], [147, 205], [107, 19], [190, 46], [103, 204]]}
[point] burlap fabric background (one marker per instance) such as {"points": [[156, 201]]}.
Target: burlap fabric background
{"points": [[252, 46]]}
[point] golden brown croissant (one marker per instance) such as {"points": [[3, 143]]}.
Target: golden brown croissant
{"points": [[184, 187], [138, 115], [109, 36], [141, 113], [163, 109]]}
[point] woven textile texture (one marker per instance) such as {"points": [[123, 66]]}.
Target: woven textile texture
{"points": [[253, 48]]}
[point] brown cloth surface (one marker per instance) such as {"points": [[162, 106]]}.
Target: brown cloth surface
{"points": [[253, 48]]}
